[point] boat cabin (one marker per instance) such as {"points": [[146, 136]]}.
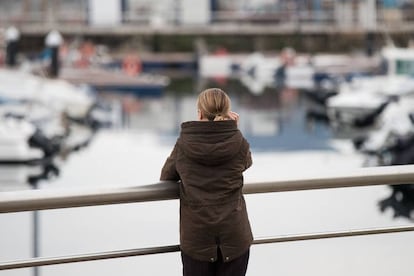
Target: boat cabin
{"points": [[398, 61]]}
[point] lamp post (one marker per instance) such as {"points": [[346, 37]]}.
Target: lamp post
{"points": [[12, 37], [53, 41]]}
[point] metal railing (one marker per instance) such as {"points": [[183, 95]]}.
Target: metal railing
{"points": [[52, 199]]}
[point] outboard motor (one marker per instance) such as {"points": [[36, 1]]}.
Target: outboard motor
{"points": [[49, 146], [370, 118]]}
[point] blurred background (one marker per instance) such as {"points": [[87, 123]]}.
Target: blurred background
{"points": [[92, 95]]}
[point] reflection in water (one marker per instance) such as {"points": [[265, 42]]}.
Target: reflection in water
{"points": [[16, 177], [401, 201], [49, 171]]}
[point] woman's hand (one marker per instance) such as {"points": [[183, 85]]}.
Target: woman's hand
{"points": [[234, 116]]}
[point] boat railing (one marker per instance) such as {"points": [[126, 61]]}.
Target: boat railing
{"points": [[33, 200]]}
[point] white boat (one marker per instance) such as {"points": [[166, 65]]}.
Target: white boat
{"points": [[345, 109], [56, 94], [54, 107], [14, 142], [364, 95], [257, 72], [397, 121], [287, 68], [49, 121]]}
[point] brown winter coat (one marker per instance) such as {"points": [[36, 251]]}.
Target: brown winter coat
{"points": [[209, 159]]}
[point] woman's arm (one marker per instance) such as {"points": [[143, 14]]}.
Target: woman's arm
{"points": [[249, 161], [169, 171]]}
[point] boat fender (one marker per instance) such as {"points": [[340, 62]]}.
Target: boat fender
{"points": [[131, 65]]}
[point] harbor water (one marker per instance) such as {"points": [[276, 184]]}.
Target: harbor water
{"points": [[285, 143]]}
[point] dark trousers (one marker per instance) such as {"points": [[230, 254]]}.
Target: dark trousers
{"points": [[236, 267]]}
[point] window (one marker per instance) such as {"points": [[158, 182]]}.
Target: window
{"points": [[405, 67]]}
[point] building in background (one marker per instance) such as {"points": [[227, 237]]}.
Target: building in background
{"points": [[183, 12], [113, 12], [241, 25]]}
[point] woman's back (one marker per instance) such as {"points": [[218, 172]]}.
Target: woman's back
{"points": [[209, 159]]}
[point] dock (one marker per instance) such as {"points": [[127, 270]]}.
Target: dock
{"points": [[116, 81]]}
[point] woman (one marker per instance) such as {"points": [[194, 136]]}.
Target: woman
{"points": [[209, 158]]}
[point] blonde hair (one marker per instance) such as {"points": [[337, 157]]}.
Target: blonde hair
{"points": [[214, 104]]}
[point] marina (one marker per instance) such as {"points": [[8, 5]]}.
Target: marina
{"points": [[92, 98], [281, 136], [137, 153]]}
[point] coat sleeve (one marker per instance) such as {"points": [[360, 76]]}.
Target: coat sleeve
{"points": [[249, 160], [169, 171]]}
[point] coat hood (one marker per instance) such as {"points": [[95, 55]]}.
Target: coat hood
{"points": [[210, 143]]}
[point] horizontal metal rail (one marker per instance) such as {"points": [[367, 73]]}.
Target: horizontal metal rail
{"points": [[32, 200], [175, 248], [52, 199]]}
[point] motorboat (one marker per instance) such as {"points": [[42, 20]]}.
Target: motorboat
{"points": [[59, 95], [49, 121], [53, 106], [39, 117], [370, 95], [349, 109], [393, 142], [15, 145], [287, 68], [257, 71]]}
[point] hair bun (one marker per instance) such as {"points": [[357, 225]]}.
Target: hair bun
{"points": [[214, 104], [219, 117]]}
